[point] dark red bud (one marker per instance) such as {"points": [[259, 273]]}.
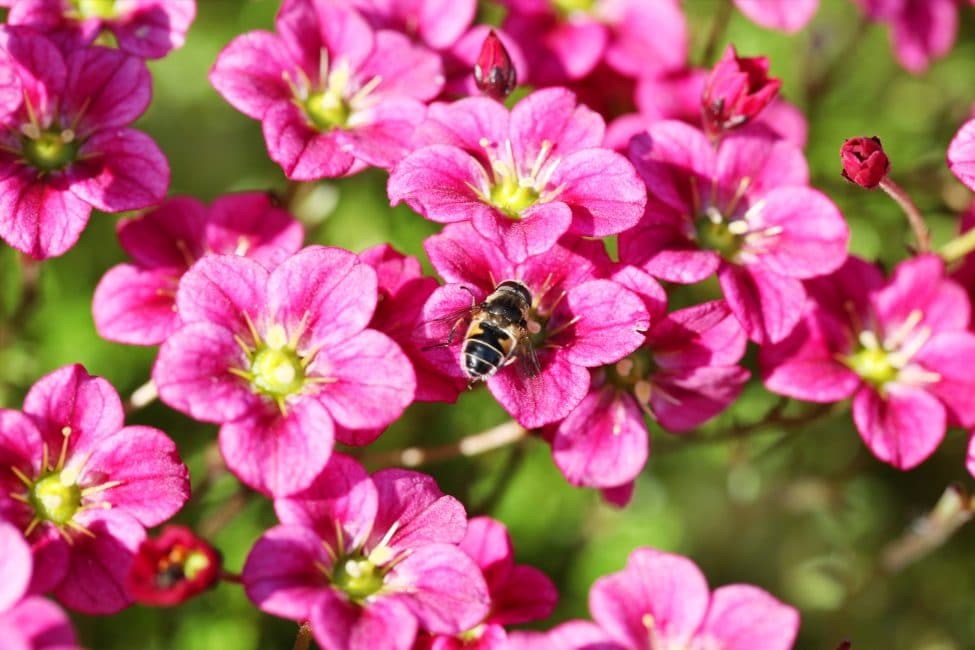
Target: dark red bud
{"points": [[846, 645], [864, 161], [494, 72], [172, 568], [737, 90]]}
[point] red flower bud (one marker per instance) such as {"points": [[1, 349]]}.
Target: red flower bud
{"points": [[864, 161], [172, 568], [737, 90], [494, 72]]}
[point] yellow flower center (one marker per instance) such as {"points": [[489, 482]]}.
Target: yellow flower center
{"points": [[358, 577], [95, 8], [56, 497], [49, 150]]}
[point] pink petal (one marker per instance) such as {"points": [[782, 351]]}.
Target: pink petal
{"points": [[528, 595], [460, 254], [961, 154], [421, 512], [105, 89], [169, 236], [922, 31], [653, 33], [603, 442], [609, 323], [766, 304], [406, 69], [51, 559], [774, 15], [248, 73], [135, 306], [553, 115], [970, 458], [670, 588], [124, 169], [281, 574], [11, 88], [488, 543], [903, 427], [155, 483], [663, 250], [383, 623], [221, 290], [603, 190], [545, 398], [437, 181], [743, 617], [251, 223], [918, 284], [682, 400], [643, 285], [155, 28], [41, 219], [303, 153], [536, 231], [765, 161], [308, 28], [40, 624], [463, 124], [276, 454], [16, 564], [705, 334], [668, 156], [785, 120], [40, 67], [443, 21], [386, 137], [341, 495], [951, 355]]}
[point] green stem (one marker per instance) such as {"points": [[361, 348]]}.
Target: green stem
{"points": [[500, 436], [303, 640], [914, 216], [958, 247], [718, 27]]}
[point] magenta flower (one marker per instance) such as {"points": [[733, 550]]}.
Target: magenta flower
{"points": [[566, 40], [522, 179], [83, 487], [135, 303], [743, 211], [436, 23], [736, 92], [66, 147], [662, 600], [899, 348], [148, 29], [283, 360], [369, 561], [27, 622], [333, 96], [920, 30], [519, 593], [774, 14], [579, 320]]}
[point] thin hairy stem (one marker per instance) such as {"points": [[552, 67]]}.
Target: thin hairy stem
{"points": [[914, 216], [500, 436]]}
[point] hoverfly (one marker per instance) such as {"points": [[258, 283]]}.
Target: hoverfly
{"points": [[498, 332]]}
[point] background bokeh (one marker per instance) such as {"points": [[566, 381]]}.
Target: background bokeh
{"points": [[803, 512]]}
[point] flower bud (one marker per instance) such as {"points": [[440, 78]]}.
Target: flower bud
{"points": [[864, 161], [494, 72], [172, 568], [737, 90]]}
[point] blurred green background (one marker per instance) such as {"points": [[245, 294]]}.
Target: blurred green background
{"points": [[803, 513]]}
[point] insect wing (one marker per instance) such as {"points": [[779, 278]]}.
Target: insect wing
{"points": [[527, 356], [452, 319]]}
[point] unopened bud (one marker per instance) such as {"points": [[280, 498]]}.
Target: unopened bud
{"points": [[494, 72], [737, 90], [864, 161]]}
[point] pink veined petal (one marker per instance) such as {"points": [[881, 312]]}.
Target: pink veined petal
{"points": [[40, 623], [919, 285], [328, 292], [901, 428], [99, 566], [922, 31], [406, 69], [168, 236], [808, 236], [16, 564], [851, 284], [41, 219], [224, 290], [553, 115], [951, 356], [643, 285], [670, 588], [443, 21], [684, 399], [386, 135], [39, 65], [603, 442], [536, 230], [668, 156], [577, 48], [105, 89], [384, 623], [442, 587], [572, 635], [155, 28], [435, 331], [438, 182], [251, 224], [767, 305], [603, 190], [460, 254], [155, 483], [545, 398], [192, 373], [785, 120], [136, 306], [961, 154], [488, 543], [663, 249], [281, 574], [69, 397], [528, 595], [422, 514], [341, 495], [774, 15], [338, 28], [744, 617], [124, 169], [11, 88], [277, 454], [52, 556], [653, 33], [705, 334], [765, 161], [609, 323], [303, 153], [249, 73], [463, 124]]}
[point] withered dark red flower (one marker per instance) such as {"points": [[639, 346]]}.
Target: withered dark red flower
{"points": [[172, 568]]}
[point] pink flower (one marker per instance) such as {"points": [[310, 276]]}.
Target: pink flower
{"points": [[736, 91], [519, 593], [135, 303], [961, 154], [27, 622], [522, 179], [579, 320], [920, 30], [66, 147], [436, 23], [662, 600], [567, 40], [743, 211], [368, 561], [774, 14], [283, 360], [900, 348], [333, 96], [83, 487], [148, 29]]}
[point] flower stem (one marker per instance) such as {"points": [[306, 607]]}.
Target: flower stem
{"points": [[958, 247], [914, 216], [502, 435], [230, 576], [303, 640], [953, 510], [142, 397], [30, 275], [227, 512], [718, 27]]}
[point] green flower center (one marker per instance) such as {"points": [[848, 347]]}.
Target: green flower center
{"points": [[277, 372], [327, 110], [56, 497], [358, 577], [512, 185], [873, 365], [723, 237], [95, 8], [632, 369], [512, 198], [50, 151], [573, 6]]}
